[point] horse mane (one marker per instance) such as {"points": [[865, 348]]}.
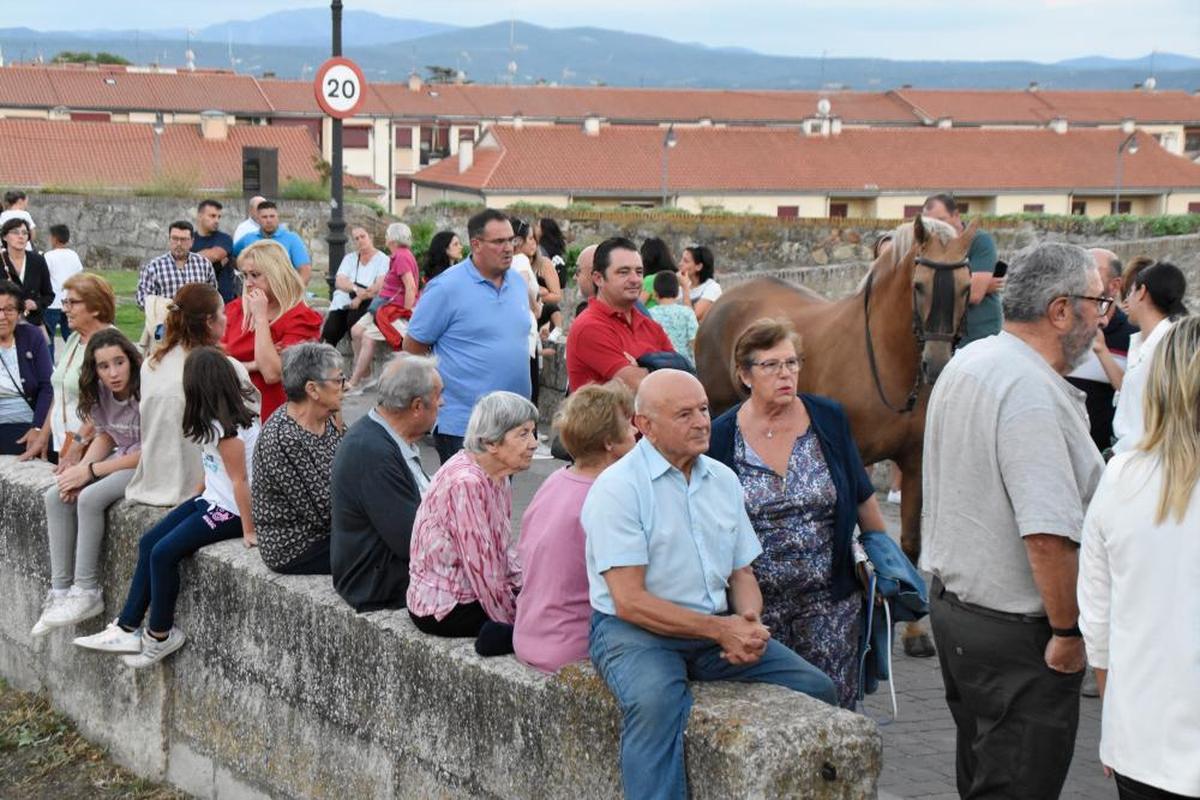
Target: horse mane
{"points": [[902, 242]]}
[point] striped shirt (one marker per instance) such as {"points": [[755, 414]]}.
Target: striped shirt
{"points": [[461, 549], [163, 277]]}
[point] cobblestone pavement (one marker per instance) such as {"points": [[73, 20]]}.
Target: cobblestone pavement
{"points": [[918, 747]]}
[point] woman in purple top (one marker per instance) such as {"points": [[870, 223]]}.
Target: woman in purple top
{"points": [[399, 288], [109, 391], [553, 611]]}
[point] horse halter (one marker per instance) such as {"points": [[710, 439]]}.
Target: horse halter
{"points": [[941, 311]]}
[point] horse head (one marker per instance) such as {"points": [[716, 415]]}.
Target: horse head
{"points": [[941, 290]]}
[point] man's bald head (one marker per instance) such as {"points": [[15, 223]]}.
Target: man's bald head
{"points": [[1107, 262], [661, 384], [583, 271], [252, 206], [671, 411]]}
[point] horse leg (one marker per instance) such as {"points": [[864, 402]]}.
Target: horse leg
{"points": [[917, 640]]}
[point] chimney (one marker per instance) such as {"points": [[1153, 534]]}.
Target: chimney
{"points": [[591, 125], [835, 126], [214, 127], [518, 121], [466, 155], [1059, 125], [706, 122], [944, 123], [1127, 125], [414, 82]]}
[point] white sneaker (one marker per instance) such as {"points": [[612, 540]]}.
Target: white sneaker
{"points": [[894, 496], [80, 604], [112, 640], [154, 650], [54, 599]]}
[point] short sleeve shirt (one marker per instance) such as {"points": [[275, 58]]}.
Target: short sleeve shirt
{"points": [[599, 340], [680, 324], [120, 419], [360, 274], [402, 263], [1008, 454], [985, 317], [480, 335], [293, 244], [215, 239], [689, 535]]}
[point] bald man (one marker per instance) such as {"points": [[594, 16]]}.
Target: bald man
{"points": [[669, 549], [250, 224], [1100, 376]]}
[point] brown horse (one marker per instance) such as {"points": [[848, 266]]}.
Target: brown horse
{"points": [[877, 352]]}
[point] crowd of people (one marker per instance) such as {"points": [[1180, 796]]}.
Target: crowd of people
{"points": [[673, 547]]}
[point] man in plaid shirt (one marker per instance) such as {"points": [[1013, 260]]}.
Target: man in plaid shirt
{"points": [[166, 274]]}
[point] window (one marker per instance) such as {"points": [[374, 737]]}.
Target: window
{"points": [[466, 134], [1079, 208], [1034, 208], [839, 210], [1191, 140], [435, 142], [403, 137], [912, 211], [404, 188], [358, 138], [1123, 207], [1194, 208], [787, 212]]}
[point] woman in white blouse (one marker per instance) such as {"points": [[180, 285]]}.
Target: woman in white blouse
{"points": [[696, 279], [1153, 301], [1139, 585]]}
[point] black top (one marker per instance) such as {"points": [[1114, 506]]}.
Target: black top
{"points": [[215, 239], [36, 283], [375, 499]]}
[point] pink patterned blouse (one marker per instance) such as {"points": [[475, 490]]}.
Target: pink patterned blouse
{"points": [[461, 549]]}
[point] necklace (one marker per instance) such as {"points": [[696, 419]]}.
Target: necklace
{"points": [[770, 434]]}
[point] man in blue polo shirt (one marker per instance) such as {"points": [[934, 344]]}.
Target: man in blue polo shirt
{"points": [[669, 553], [475, 319], [269, 228]]}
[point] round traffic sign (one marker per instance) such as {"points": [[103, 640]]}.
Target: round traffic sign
{"points": [[340, 87]]}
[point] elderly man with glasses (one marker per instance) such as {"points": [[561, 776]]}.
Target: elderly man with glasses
{"points": [[475, 318], [1009, 467]]}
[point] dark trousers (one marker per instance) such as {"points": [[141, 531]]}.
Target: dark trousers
{"points": [[1129, 789], [56, 321], [1016, 717], [313, 561], [446, 445], [155, 583], [9, 433], [469, 620], [227, 282], [338, 323], [534, 380]]}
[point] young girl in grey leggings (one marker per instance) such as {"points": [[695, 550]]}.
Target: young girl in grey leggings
{"points": [[76, 504]]}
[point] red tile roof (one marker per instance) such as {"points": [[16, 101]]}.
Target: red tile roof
{"points": [[628, 159], [121, 155], [1112, 107], [975, 106]]}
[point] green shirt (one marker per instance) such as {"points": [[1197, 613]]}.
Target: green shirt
{"points": [[985, 317]]}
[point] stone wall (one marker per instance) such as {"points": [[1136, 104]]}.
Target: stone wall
{"points": [[283, 691]]}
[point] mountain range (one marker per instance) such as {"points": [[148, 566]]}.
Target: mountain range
{"points": [[290, 44]]}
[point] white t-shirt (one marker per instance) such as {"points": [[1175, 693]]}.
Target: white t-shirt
{"points": [[63, 263], [360, 274], [521, 265], [244, 228], [218, 488], [13, 408], [710, 290], [1128, 425]]}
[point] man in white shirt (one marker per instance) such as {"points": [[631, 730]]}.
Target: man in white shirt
{"points": [[63, 263], [250, 224]]}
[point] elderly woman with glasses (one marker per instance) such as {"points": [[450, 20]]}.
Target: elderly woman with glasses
{"points": [[463, 571], [293, 463], [805, 490]]}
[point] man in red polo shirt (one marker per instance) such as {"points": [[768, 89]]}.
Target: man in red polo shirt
{"points": [[605, 342]]}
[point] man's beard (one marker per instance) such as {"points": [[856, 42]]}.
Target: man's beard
{"points": [[1076, 343]]}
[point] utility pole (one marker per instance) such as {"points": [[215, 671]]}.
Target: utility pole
{"points": [[337, 225]]}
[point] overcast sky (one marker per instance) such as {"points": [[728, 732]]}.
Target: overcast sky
{"points": [[1039, 30]]}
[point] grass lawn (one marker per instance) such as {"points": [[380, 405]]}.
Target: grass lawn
{"points": [[129, 317]]}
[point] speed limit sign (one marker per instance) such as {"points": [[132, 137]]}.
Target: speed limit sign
{"points": [[340, 87]]}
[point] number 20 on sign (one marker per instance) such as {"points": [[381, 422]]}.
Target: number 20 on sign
{"points": [[340, 87]]}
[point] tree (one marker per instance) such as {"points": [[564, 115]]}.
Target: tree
{"points": [[84, 57], [439, 74]]}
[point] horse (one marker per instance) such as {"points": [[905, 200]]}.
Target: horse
{"points": [[877, 352]]}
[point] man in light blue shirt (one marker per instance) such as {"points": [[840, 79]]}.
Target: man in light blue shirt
{"points": [[269, 228], [475, 319], [669, 549]]}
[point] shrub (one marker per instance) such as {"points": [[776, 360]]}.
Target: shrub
{"points": [[298, 189]]}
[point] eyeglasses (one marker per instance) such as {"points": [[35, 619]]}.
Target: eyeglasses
{"points": [[71, 302], [1103, 304], [773, 365], [342, 379], [514, 241], [10, 311], [180, 239]]}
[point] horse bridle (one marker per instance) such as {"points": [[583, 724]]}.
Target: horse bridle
{"points": [[943, 290]]}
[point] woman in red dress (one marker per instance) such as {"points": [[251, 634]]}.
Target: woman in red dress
{"points": [[269, 316]]}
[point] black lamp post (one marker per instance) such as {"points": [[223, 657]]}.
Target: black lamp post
{"points": [[1129, 145], [337, 225], [669, 141]]}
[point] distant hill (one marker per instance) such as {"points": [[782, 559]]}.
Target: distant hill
{"points": [[291, 44]]}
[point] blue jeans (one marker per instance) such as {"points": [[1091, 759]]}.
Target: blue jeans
{"points": [[155, 585], [648, 674], [55, 319]]}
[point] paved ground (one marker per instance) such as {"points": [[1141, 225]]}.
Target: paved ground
{"points": [[918, 747]]}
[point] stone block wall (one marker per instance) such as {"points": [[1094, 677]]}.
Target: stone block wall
{"points": [[283, 691]]}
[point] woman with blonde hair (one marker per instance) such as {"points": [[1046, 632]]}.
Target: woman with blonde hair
{"points": [[269, 316], [1138, 572]]}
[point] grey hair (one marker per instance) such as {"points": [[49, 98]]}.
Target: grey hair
{"points": [[494, 415], [399, 233], [304, 362], [405, 378], [1041, 273]]}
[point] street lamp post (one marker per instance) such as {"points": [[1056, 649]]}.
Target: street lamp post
{"points": [[669, 141], [158, 129], [1129, 143], [337, 225]]}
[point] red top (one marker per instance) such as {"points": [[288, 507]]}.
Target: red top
{"points": [[298, 324], [402, 262], [601, 336]]}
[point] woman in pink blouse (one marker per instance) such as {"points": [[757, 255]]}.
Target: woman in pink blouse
{"points": [[463, 573], [553, 612]]}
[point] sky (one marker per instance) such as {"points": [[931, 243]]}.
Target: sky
{"points": [[1037, 30]]}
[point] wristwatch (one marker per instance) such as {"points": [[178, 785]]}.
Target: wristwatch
{"points": [[1072, 632]]}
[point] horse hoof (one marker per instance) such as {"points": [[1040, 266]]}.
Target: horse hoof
{"points": [[919, 646]]}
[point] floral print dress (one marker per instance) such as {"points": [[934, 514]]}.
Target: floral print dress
{"points": [[793, 516]]}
